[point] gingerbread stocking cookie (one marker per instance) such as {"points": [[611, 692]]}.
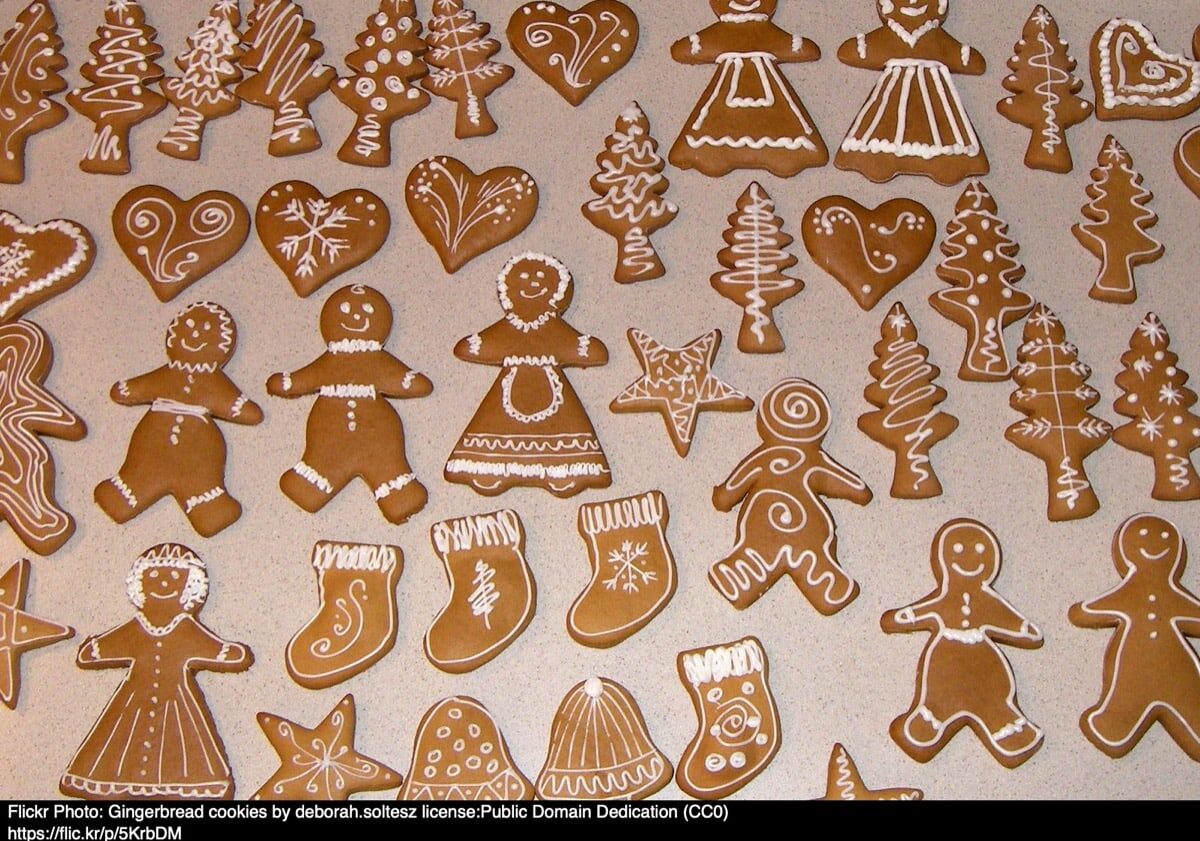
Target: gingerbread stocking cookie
{"points": [[31, 62], [353, 431], [492, 592], [156, 738], [964, 680], [1151, 671], [177, 449], [355, 624], [783, 526], [738, 731]]}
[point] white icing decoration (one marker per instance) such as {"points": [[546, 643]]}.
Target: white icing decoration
{"points": [[396, 484], [313, 477]]}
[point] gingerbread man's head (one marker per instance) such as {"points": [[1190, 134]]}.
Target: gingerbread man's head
{"points": [[533, 289], [1149, 544], [722, 8], [965, 555], [167, 579], [356, 314], [201, 338], [912, 15], [793, 412]]}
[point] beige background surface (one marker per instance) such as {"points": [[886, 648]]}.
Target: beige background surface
{"points": [[839, 678]]}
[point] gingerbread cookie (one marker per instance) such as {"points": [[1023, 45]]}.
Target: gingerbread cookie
{"points": [[39, 262], [600, 748], [755, 258], [353, 431], [156, 738], [355, 623], [1117, 221], [1187, 160], [492, 592], [783, 526], [174, 242], [980, 264], [1156, 399], [462, 214], [459, 753], [27, 412], [122, 72], [31, 62], [210, 66], [461, 66], [1052, 392], [20, 631], [869, 251], [749, 116], [1045, 92], [633, 569], [963, 678], [177, 449], [679, 384], [531, 429], [574, 51], [630, 187], [1135, 79], [843, 782], [738, 731], [313, 239], [914, 122], [1151, 671], [388, 66], [907, 421], [321, 763]]}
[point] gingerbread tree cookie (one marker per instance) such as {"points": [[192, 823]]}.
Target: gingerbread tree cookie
{"points": [[1156, 398], [387, 65], [287, 77], [755, 259], [630, 186], [201, 94], [1045, 92], [461, 66], [30, 65], [121, 71], [981, 267], [907, 420], [1117, 221], [1151, 671], [963, 679], [1054, 396]]}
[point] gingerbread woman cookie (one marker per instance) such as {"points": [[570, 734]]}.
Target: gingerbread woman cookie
{"points": [[963, 679], [21, 631], [177, 449], [1151, 671], [353, 431], [31, 62]]}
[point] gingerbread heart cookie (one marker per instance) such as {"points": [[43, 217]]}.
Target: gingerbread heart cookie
{"points": [[463, 214], [1187, 160], [1135, 79], [40, 261], [174, 242], [313, 239], [574, 51], [868, 251]]}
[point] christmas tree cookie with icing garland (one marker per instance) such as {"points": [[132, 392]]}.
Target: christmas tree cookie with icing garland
{"points": [[31, 62], [461, 66]]}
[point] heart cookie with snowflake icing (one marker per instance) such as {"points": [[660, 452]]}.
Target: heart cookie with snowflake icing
{"points": [[870, 252], [313, 239], [574, 51], [1136, 79], [463, 214], [40, 261]]}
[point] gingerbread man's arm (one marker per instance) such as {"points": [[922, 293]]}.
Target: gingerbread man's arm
{"points": [[838, 481], [795, 48], [395, 379], [307, 380], [1003, 623], [959, 58], [142, 389], [699, 48], [487, 347], [109, 650], [743, 480], [865, 50], [1107, 611], [578, 349], [921, 615], [227, 402], [1184, 609], [214, 653]]}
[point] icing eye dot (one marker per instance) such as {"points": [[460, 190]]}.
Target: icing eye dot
{"points": [[190, 322], [345, 307], [1143, 532], [368, 309], [979, 548], [1166, 535], [958, 548], [175, 572]]}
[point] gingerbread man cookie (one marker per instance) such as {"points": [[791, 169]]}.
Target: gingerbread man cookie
{"points": [[177, 449], [963, 679], [1151, 671], [31, 62], [20, 631], [353, 431]]}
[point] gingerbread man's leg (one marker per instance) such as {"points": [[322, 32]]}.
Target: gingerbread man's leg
{"points": [[922, 731], [743, 576], [395, 486], [202, 495], [1007, 732], [1114, 722], [1182, 721], [825, 584], [142, 481]]}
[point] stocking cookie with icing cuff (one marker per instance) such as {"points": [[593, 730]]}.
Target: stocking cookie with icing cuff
{"points": [[353, 431], [177, 449]]}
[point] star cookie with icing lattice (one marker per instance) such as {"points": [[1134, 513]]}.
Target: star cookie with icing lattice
{"points": [[845, 783], [20, 631]]}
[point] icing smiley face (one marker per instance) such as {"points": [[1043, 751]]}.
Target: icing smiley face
{"points": [[534, 288], [912, 15], [744, 7], [1146, 542], [202, 336], [968, 554], [356, 313]]}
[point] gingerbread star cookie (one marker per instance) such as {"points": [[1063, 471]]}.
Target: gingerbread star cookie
{"points": [[845, 783], [20, 631], [679, 384], [321, 763]]}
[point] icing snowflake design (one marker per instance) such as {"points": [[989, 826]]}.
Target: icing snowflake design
{"points": [[13, 259], [324, 766], [320, 218], [1153, 330], [1170, 395], [1142, 366], [626, 563], [1042, 18], [1150, 428], [1115, 152], [898, 321], [1044, 319]]}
